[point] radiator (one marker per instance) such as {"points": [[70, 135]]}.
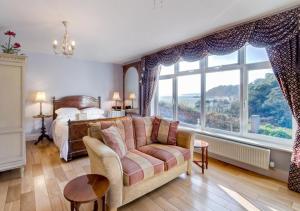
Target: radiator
{"points": [[252, 155]]}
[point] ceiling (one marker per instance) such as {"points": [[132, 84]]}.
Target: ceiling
{"points": [[119, 31]]}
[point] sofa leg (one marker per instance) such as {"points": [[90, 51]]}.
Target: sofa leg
{"points": [[189, 172], [189, 168]]}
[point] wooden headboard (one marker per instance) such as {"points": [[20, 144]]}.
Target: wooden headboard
{"points": [[76, 101]]}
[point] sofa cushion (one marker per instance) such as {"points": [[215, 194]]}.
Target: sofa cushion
{"points": [[124, 126], [112, 138], [143, 129], [170, 154], [138, 166], [164, 131]]}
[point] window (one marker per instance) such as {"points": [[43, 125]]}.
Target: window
{"points": [[187, 66], [165, 102], [189, 99], [215, 60], [255, 55], [269, 113], [167, 70], [222, 100], [235, 94]]}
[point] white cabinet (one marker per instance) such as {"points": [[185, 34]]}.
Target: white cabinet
{"points": [[12, 141]]}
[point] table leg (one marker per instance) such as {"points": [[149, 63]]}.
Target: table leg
{"points": [[202, 160], [96, 206], [103, 204], [72, 206], [76, 206], [206, 159]]}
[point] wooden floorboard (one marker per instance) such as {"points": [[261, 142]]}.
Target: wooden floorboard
{"points": [[222, 187]]}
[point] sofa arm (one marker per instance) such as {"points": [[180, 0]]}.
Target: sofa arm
{"points": [[106, 162], [186, 139]]}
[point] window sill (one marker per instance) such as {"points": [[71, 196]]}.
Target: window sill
{"points": [[285, 147]]}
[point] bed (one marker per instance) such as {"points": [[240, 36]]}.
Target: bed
{"points": [[68, 134]]}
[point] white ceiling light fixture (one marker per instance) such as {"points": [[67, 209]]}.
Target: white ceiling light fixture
{"points": [[67, 45], [158, 4]]}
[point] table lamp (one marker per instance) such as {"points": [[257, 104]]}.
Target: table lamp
{"points": [[116, 97], [132, 97], [40, 97]]}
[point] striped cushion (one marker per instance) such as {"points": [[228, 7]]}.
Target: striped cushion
{"points": [[124, 126], [170, 154], [112, 138], [164, 131], [138, 166], [143, 129]]}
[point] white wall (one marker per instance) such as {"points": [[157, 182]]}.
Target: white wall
{"points": [[59, 76]]}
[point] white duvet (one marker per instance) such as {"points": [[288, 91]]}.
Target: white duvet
{"points": [[60, 134], [60, 129]]}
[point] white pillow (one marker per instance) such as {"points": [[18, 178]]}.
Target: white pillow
{"points": [[92, 111], [67, 113], [95, 116]]}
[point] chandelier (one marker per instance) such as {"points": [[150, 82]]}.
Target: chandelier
{"points": [[158, 4], [67, 45]]}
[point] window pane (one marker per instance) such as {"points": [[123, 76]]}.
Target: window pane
{"points": [[215, 60], [166, 70], [269, 113], [254, 54], [222, 103], [186, 66], [189, 99], [165, 102]]}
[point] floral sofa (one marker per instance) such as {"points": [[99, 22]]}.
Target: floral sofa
{"points": [[146, 165]]}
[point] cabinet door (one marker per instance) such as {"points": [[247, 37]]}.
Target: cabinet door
{"points": [[11, 121], [10, 97]]}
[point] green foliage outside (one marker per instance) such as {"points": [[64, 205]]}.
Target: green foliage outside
{"points": [[265, 99]]}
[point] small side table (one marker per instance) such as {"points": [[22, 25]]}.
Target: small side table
{"points": [[43, 128], [203, 163], [86, 188]]}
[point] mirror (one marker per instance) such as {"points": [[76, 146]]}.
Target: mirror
{"points": [[131, 89]]}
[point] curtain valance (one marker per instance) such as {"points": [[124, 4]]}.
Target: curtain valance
{"points": [[267, 32]]}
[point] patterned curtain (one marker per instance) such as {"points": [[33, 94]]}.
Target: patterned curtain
{"points": [[285, 60], [149, 83], [279, 34]]}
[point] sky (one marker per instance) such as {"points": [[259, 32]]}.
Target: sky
{"points": [[191, 84]]}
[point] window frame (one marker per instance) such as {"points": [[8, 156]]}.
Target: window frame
{"points": [[244, 112]]}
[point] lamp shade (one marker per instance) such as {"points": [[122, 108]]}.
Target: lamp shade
{"points": [[40, 97], [116, 96], [132, 96]]}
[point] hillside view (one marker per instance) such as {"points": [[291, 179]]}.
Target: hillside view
{"points": [[268, 111]]}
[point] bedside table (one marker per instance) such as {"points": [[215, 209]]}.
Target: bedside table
{"points": [[116, 113], [43, 128], [132, 112]]}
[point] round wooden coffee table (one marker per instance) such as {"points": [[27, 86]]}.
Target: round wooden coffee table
{"points": [[86, 188], [203, 146]]}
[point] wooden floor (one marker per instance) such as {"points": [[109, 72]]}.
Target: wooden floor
{"points": [[222, 187]]}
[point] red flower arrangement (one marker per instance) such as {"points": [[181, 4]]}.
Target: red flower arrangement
{"points": [[9, 47], [10, 33]]}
